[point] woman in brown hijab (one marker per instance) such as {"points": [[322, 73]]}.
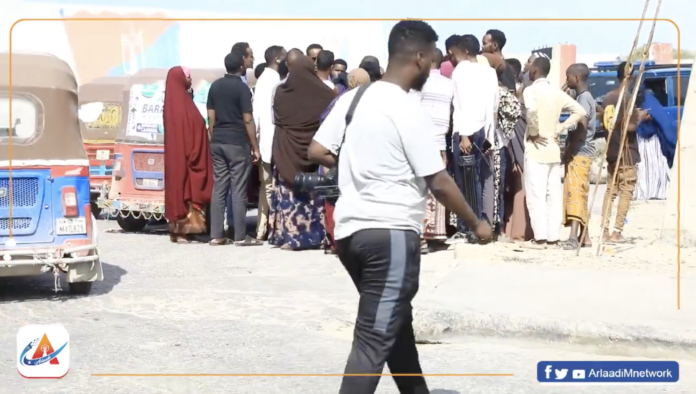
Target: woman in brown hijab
{"points": [[297, 221]]}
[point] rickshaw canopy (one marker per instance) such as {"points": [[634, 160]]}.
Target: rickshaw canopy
{"points": [[101, 104], [44, 124]]}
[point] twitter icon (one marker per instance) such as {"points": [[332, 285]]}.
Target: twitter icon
{"points": [[560, 373]]}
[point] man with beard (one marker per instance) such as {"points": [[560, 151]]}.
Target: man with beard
{"points": [[339, 66], [387, 164]]}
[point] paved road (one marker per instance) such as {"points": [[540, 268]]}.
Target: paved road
{"points": [[166, 308]]}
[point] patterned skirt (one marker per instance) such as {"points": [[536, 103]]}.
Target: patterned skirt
{"points": [[435, 222], [296, 221]]}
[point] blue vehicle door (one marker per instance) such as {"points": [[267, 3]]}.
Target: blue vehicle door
{"points": [[32, 210], [677, 90]]}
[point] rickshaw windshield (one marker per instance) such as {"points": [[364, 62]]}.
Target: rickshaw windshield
{"points": [[143, 99], [142, 120], [44, 125], [100, 108]]}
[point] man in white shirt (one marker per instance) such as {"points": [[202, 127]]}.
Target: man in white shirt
{"points": [[387, 164], [542, 154], [475, 104], [265, 129], [436, 98]]}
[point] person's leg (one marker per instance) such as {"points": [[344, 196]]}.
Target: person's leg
{"points": [[487, 176], [404, 359], [554, 202], [265, 191], [229, 215], [389, 262], [502, 207], [535, 185], [221, 186], [609, 196], [240, 168], [627, 183], [458, 176], [478, 140]]}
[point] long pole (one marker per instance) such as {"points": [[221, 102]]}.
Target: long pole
{"points": [[628, 70], [627, 118]]}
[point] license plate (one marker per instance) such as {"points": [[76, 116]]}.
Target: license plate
{"points": [[103, 154], [71, 226], [150, 182]]}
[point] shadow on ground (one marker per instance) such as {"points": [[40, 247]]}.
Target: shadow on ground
{"points": [[32, 288]]}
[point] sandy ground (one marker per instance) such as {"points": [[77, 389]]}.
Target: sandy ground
{"points": [[166, 308]]}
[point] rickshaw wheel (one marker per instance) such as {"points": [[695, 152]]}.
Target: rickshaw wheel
{"points": [[80, 288], [96, 211], [131, 224]]}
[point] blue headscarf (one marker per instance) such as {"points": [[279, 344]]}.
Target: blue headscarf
{"points": [[660, 124]]}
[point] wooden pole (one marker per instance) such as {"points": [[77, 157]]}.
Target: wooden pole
{"points": [[626, 119], [622, 89]]}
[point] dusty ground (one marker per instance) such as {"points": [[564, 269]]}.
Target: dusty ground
{"points": [[166, 308]]}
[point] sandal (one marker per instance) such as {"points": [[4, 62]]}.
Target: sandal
{"points": [[424, 248], [248, 242], [218, 242]]}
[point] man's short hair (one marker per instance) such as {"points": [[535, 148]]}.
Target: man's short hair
{"points": [[369, 58], [621, 71], [410, 36], [312, 47], [580, 70], [341, 62], [272, 53], [242, 47], [373, 70], [498, 37], [294, 52], [439, 57], [451, 41], [469, 43], [259, 70], [325, 60], [234, 61], [543, 65], [515, 64]]}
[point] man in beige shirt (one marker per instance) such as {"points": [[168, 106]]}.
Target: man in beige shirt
{"points": [[543, 172]]}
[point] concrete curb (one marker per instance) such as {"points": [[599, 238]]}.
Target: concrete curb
{"points": [[438, 325]]}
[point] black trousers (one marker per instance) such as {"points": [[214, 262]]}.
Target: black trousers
{"points": [[469, 178], [231, 169], [385, 268]]}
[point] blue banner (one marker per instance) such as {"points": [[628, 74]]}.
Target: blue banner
{"points": [[608, 372]]}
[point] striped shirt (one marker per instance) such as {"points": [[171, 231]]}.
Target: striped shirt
{"points": [[436, 98]]}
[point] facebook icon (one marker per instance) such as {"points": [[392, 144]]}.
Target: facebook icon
{"points": [[548, 370]]}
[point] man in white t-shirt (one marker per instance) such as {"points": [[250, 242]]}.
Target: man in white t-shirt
{"points": [[388, 161]]}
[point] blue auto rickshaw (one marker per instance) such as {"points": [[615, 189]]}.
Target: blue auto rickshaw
{"points": [[46, 222]]}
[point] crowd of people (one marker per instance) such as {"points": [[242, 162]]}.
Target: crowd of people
{"points": [[494, 121], [461, 146]]}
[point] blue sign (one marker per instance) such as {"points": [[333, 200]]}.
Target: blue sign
{"points": [[608, 372]]}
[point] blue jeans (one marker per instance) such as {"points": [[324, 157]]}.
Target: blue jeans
{"points": [[477, 140]]}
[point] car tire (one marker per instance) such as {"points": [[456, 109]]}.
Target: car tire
{"points": [[80, 288], [131, 224]]}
